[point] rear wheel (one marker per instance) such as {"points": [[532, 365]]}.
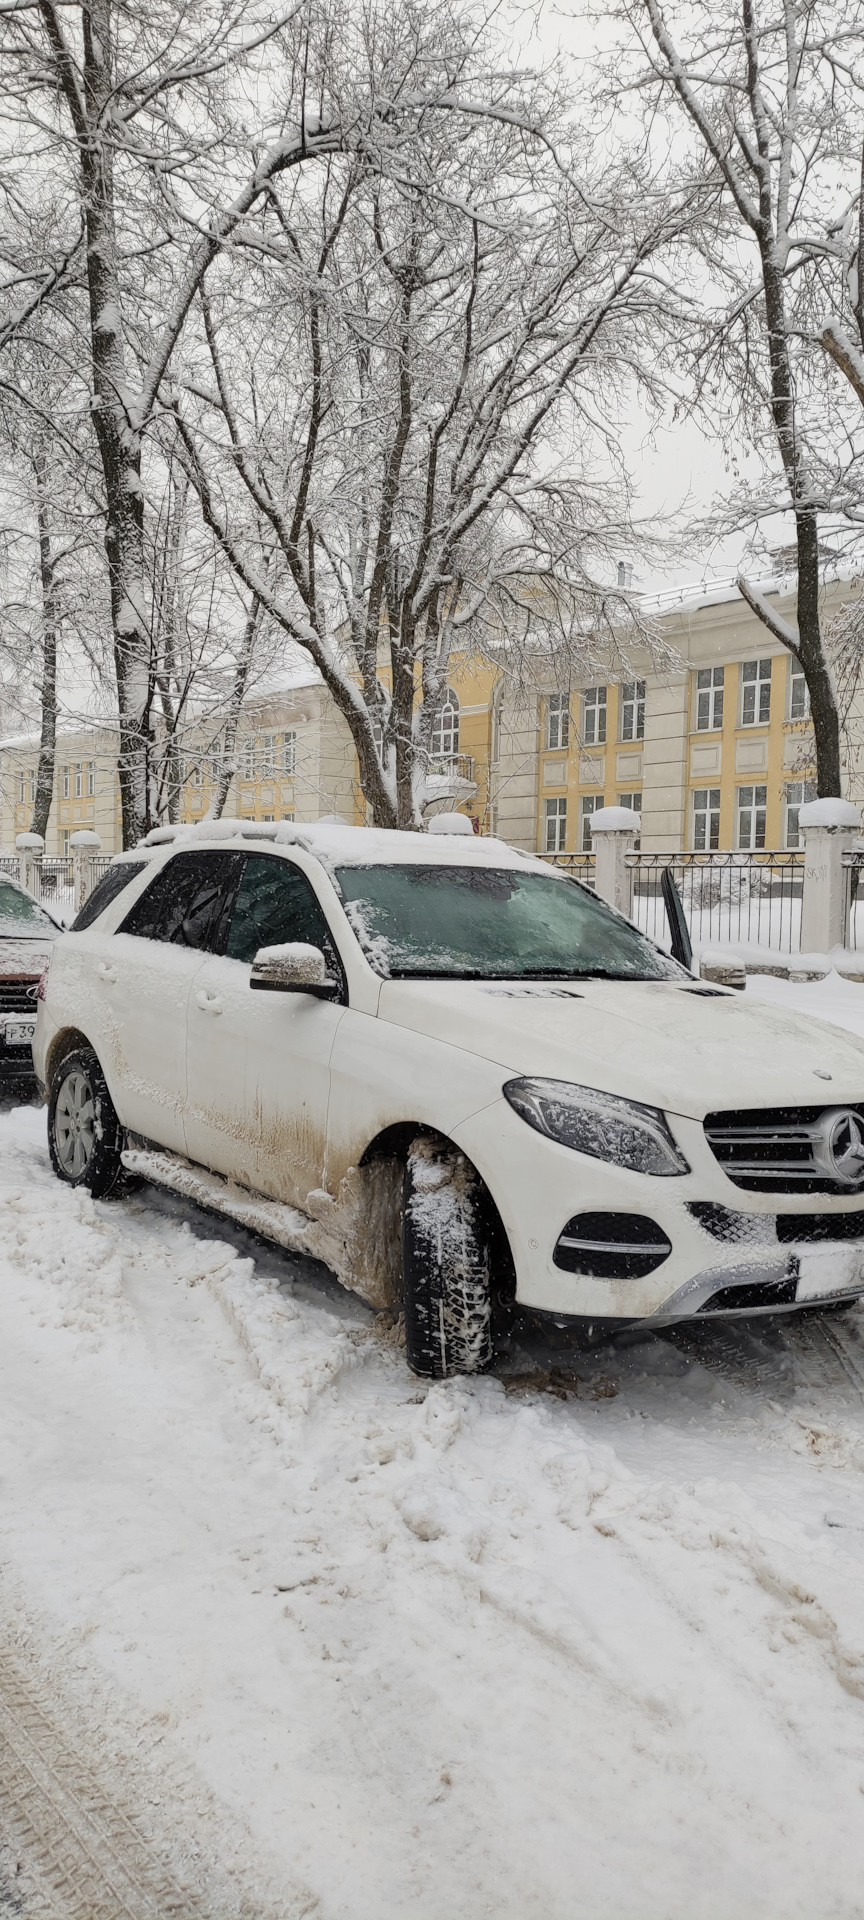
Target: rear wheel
{"points": [[446, 1263], [85, 1138]]}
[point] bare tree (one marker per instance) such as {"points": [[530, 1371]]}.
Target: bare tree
{"points": [[136, 123], [400, 419], [771, 101]]}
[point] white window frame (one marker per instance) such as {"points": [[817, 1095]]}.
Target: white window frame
{"points": [[631, 710], [594, 716], [797, 693], [557, 721], [796, 793], [710, 687], [705, 839], [31, 784], [246, 758], [751, 810], [91, 779], [589, 804], [66, 783], [444, 738], [289, 752], [555, 824], [755, 680]]}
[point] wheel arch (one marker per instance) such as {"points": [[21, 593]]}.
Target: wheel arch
{"points": [[68, 1040], [393, 1143]]}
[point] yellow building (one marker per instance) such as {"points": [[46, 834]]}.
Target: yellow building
{"points": [[86, 788], [715, 752]]}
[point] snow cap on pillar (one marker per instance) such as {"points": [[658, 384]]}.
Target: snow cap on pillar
{"points": [[615, 820], [84, 837], [829, 813], [29, 843], [449, 823]]}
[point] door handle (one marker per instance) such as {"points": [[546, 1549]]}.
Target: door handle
{"points": [[208, 1002], [107, 972]]}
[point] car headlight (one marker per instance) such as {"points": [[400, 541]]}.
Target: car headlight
{"points": [[601, 1124]]}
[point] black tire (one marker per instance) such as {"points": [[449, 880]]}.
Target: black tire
{"points": [[446, 1263], [85, 1138]]}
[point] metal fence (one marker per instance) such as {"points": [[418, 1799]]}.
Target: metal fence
{"points": [[853, 906], [746, 899], [742, 899], [58, 885], [581, 865]]}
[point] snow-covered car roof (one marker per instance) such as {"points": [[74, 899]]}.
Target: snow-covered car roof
{"points": [[342, 846]]}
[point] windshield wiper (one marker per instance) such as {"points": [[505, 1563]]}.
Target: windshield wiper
{"points": [[525, 973]]}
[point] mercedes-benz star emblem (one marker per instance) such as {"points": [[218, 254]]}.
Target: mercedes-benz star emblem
{"points": [[843, 1145]]}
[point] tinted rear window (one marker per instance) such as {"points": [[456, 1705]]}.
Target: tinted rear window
{"points": [[105, 891]]}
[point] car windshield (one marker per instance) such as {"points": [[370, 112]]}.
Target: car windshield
{"points": [[21, 916], [489, 923]]}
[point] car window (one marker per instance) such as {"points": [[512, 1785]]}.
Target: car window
{"points": [[489, 923], [275, 903], [20, 914], [189, 902], [111, 884]]}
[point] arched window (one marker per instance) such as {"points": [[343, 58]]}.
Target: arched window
{"points": [[445, 727]]}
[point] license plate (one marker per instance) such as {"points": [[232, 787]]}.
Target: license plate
{"points": [[19, 1033], [829, 1270]]}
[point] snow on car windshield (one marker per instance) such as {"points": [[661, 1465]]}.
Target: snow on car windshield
{"points": [[21, 916], [489, 923]]}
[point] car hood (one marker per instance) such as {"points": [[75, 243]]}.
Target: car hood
{"points": [[667, 1044], [25, 955]]}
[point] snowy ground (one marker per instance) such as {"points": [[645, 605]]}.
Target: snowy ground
{"points": [[305, 1637]]}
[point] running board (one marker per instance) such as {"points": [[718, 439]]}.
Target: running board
{"points": [[287, 1226]]}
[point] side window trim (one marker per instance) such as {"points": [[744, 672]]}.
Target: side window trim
{"points": [[334, 958], [228, 864]]}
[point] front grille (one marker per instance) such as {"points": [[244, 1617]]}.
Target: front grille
{"points": [[723, 1223], [18, 996], [780, 1149]]}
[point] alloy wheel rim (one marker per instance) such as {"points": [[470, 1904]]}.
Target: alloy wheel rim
{"points": [[75, 1124]]}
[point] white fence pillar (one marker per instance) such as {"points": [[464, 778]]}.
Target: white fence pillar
{"points": [[614, 831], [31, 847], [85, 845], [830, 828]]}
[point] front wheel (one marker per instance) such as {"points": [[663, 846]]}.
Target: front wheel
{"points": [[85, 1138], [446, 1263]]}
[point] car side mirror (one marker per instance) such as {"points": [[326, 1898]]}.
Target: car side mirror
{"points": [[293, 968]]}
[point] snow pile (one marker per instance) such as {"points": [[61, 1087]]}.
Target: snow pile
{"points": [[829, 813], [474, 1648], [615, 820]]}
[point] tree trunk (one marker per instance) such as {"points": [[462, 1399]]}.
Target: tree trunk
{"points": [[811, 651], [48, 736], [238, 695], [117, 432]]}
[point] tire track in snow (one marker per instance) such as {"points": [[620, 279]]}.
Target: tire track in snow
{"points": [[92, 1860]]}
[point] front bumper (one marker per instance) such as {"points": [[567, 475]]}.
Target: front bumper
{"points": [[538, 1186]]}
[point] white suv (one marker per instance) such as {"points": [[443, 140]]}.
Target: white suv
{"points": [[452, 1073]]}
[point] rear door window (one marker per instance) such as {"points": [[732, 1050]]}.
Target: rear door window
{"points": [[189, 903], [275, 903], [111, 884]]}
